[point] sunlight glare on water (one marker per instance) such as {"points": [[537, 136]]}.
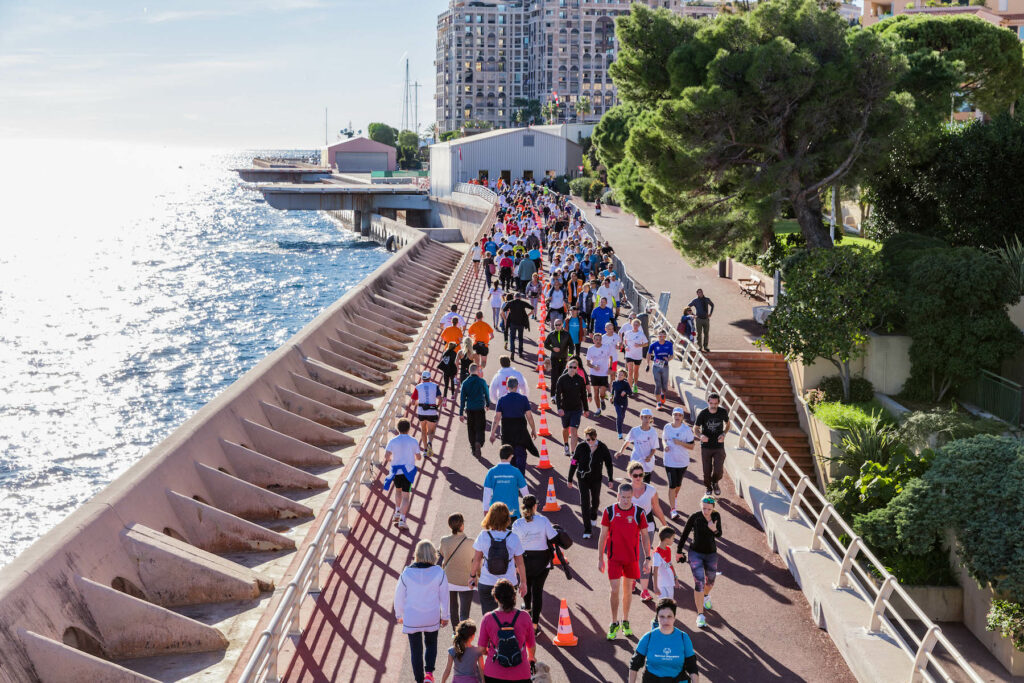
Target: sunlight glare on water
{"points": [[136, 283]]}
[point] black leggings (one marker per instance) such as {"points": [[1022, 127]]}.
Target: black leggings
{"points": [[421, 656], [534, 598], [449, 382]]}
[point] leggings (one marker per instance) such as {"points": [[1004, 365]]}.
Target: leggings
{"points": [[660, 379], [620, 417], [496, 311], [422, 659], [459, 603], [534, 598], [449, 382], [704, 568]]}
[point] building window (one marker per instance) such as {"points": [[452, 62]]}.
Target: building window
{"points": [[528, 141]]}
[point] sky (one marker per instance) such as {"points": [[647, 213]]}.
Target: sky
{"points": [[229, 74]]}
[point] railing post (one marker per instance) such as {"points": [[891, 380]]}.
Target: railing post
{"points": [[884, 591], [776, 473], [759, 450], [271, 676], [330, 555], [848, 558], [819, 526], [745, 427], [921, 660], [794, 502], [295, 622], [695, 367]]}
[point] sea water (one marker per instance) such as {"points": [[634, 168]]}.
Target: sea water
{"points": [[136, 283]]}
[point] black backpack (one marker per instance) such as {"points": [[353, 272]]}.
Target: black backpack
{"points": [[497, 555], [508, 653]]}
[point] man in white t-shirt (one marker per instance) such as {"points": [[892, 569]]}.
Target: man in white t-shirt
{"points": [[403, 452], [634, 341], [678, 440], [599, 359], [645, 442], [498, 382], [452, 315]]}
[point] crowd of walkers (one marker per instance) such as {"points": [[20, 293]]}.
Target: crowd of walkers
{"points": [[542, 270]]}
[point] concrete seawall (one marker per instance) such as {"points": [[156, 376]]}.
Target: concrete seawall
{"points": [[176, 556]]}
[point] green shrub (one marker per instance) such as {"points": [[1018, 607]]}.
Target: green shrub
{"points": [[560, 185], [1007, 618], [848, 415], [861, 389], [974, 488], [934, 428], [814, 398], [609, 198], [874, 441], [587, 188]]}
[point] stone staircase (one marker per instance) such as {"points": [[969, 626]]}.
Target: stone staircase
{"points": [[762, 380]]}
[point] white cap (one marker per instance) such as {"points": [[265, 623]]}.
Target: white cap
{"points": [[678, 411], [646, 412], [425, 374]]}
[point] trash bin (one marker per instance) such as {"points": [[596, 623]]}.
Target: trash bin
{"points": [[723, 268]]}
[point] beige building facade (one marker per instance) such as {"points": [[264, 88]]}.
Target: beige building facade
{"points": [[491, 52], [1008, 13]]}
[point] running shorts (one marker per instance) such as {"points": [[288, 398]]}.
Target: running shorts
{"points": [[480, 348], [599, 380], [571, 418], [619, 568], [634, 361], [675, 476], [401, 483], [427, 418]]}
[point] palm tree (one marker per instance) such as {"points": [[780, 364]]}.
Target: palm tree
{"points": [[550, 112], [582, 107]]}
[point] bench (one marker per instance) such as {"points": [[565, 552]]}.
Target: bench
{"points": [[753, 287]]}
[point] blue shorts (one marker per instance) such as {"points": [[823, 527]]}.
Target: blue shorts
{"points": [[571, 418]]}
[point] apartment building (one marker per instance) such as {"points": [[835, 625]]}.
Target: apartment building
{"points": [[491, 52], [1008, 13]]}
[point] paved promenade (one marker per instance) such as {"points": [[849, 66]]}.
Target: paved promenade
{"points": [[759, 630], [654, 261]]}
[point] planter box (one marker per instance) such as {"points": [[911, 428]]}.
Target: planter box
{"points": [[826, 442], [977, 602], [939, 603]]}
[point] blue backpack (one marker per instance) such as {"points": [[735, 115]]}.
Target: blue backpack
{"points": [[508, 653]]}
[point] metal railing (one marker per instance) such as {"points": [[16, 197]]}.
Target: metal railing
{"points": [[478, 190], [287, 620], [857, 565], [996, 395]]}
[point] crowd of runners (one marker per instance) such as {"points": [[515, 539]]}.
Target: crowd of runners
{"points": [[545, 275]]}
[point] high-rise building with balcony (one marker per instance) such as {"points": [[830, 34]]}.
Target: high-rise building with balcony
{"points": [[492, 52]]}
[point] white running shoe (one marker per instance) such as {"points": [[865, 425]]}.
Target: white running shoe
{"points": [[701, 621]]}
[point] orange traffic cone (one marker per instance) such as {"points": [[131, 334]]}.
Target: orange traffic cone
{"points": [[565, 637], [551, 504], [542, 385], [544, 405], [545, 461], [555, 562], [543, 431]]}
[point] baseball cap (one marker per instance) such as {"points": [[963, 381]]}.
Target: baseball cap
{"points": [[646, 412], [425, 374], [678, 411]]}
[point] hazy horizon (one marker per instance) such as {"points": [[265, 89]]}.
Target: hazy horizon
{"points": [[222, 75]]}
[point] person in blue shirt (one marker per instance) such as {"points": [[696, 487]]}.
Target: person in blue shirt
{"points": [[666, 651], [601, 316], [574, 326], [658, 356], [491, 246], [515, 417], [504, 483]]}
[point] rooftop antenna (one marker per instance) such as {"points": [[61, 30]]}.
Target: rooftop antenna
{"points": [[406, 99], [416, 120]]}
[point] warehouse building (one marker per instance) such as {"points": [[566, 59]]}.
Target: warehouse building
{"points": [[359, 155], [509, 154]]}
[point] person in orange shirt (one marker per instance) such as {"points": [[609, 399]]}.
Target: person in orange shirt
{"points": [[452, 334], [481, 333]]}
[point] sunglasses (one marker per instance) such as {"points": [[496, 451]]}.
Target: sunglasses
{"points": [[637, 476], [591, 439]]}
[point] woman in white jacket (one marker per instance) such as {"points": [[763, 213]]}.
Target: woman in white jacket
{"points": [[421, 605]]}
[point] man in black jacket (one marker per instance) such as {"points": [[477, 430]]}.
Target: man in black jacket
{"points": [[559, 343], [516, 315], [572, 403], [587, 460]]}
